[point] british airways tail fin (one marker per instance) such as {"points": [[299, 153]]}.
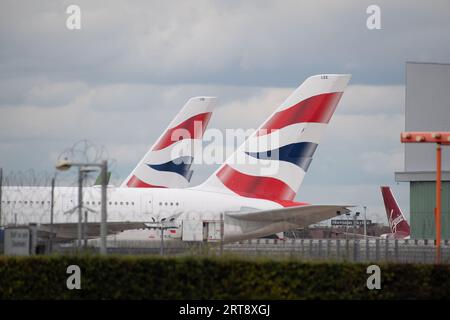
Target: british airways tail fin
{"points": [[272, 162], [167, 164]]}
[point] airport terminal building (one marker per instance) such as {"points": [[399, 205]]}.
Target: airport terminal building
{"points": [[427, 108]]}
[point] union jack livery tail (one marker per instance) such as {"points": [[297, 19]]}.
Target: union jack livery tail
{"points": [[274, 171], [397, 222], [167, 164]]}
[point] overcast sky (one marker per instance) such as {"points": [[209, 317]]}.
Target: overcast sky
{"points": [[120, 79]]}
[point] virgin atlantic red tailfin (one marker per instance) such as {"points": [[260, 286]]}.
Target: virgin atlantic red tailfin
{"points": [[397, 222]]}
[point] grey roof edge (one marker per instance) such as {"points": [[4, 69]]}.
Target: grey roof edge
{"points": [[410, 176], [426, 62]]}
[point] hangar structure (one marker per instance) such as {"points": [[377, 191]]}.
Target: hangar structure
{"points": [[427, 108]]}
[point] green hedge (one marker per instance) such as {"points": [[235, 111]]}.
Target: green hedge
{"points": [[214, 278]]}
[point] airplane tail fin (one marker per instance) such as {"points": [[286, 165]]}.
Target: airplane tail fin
{"points": [[167, 163], [99, 179], [272, 162], [397, 221]]}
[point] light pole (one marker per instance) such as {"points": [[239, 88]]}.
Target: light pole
{"points": [[52, 204], [1, 187], [162, 237], [347, 214], [440, 139], [66, 165], [355, 218], [222, 232], [85, 230], [365, 222], [80, 205], [81, 235]]}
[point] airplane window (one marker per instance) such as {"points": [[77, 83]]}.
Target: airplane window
{"points": [[121, 203], [87, 202], [177, 203], [165, 203], [132, 203], [126, 203], [110, 203], [25, 202], [42, 202], [48, 202], [171, 203], [8, 202], [115, 203], [31, 202], [160, 203]]}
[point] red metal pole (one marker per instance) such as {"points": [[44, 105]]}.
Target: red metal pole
{"points": [[438, 203], [440, 138]]}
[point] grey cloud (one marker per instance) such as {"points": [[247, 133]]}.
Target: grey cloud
{"points": [[253, 43], [13, 90], [54, 94], [366, 99]]}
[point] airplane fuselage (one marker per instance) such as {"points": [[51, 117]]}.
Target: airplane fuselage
{"points": [[23, 205]]}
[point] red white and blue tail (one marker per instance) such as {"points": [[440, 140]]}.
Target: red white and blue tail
{"points": [[272, 162], [167, 164]]}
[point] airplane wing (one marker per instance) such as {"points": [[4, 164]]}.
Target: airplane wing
{"points": [[301, 215]]}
